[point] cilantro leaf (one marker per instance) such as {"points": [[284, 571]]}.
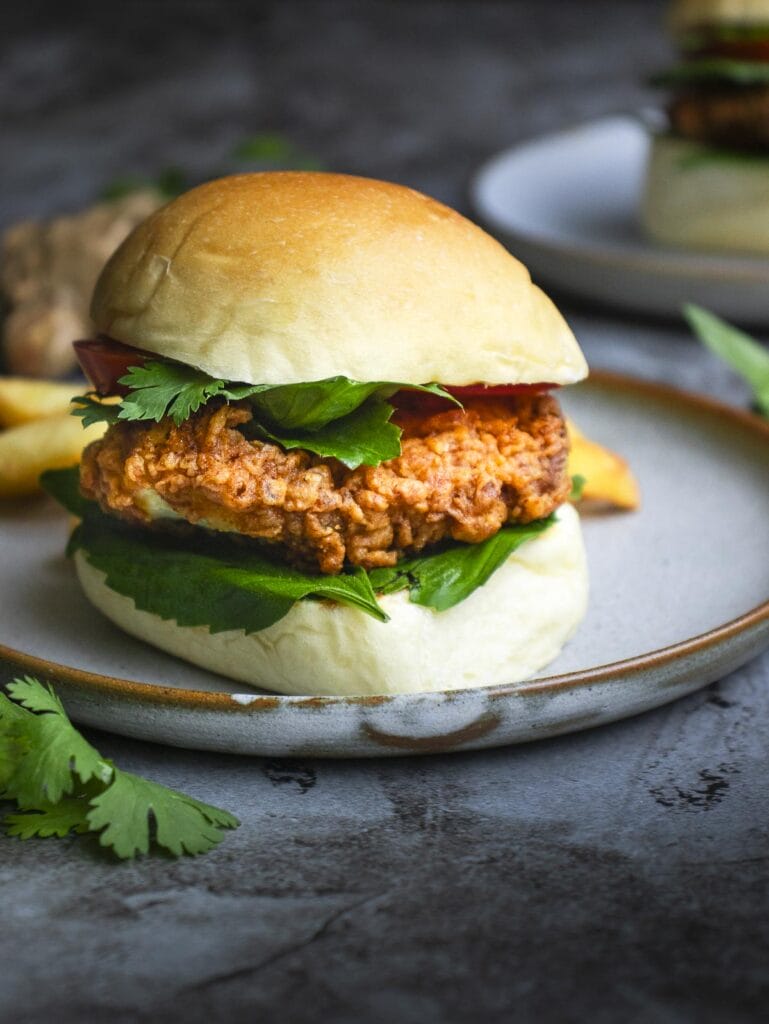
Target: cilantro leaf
{"points": [[69, 815], [443, 580], [739, 350], [162, 388], [61, 784], [28, 693], [125, 813], [55, 752], [14, 743], [364, 437], [11, 750], [91, 410]]}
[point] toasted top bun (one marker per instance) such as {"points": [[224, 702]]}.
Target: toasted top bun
{"points": [[688, 14], [505, 631], [696, 199], [283, 277]]}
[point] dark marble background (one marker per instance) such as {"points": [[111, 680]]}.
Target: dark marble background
{"points": [[617, 875]]}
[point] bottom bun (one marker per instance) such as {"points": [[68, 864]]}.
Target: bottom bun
{"points": [[505, 631], [702, 198]]}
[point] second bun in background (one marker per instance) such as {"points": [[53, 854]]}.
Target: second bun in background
{"points": [[707, 183]]}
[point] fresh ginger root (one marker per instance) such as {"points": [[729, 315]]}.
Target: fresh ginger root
{"points": [[47, 273]]}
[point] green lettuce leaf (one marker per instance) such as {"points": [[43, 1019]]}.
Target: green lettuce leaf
{"points": [[442, 580], [313, 405], [64, 486], [714, 69], [210, 582], [364, 437]]}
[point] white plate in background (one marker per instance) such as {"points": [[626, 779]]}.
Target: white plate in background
{"points": [[567, 206]]}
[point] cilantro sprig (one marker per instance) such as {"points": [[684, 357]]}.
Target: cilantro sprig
{"points": [[62, 785], [337, 417]]}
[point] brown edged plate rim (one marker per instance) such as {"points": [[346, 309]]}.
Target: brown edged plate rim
{"points": [[624, 669]]}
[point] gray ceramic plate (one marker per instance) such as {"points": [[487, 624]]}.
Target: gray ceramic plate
{"points": [[568, 206], [680, 597]]}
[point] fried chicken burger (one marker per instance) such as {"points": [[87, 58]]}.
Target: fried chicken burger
{"points": [[707, 184], [335, 464]]}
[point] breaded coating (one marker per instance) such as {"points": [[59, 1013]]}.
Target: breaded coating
{"points": [[461, 474], [735, 118]]}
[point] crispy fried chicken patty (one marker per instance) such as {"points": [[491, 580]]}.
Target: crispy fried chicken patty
{"points": [[736, 118], [461, 474]]}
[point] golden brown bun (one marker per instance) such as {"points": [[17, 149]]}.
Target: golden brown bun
{"points": [[699, 200], [688, 14], [294, 276], [503, 632]]}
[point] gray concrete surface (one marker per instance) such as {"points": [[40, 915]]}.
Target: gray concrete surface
{"points": [[617, 875]]}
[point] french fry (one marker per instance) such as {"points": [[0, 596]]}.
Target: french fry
{"points": [[608, 478], [24, 399], [51, 443]]}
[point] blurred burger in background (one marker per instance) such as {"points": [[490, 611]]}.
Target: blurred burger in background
{"points": [[708, 176]]}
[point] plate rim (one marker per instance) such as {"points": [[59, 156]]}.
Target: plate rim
{"points": [[626, 668], [659, 259]]}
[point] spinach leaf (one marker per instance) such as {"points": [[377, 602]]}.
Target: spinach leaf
{"points": [[363, 437], [739, 350], [442, 580]]}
